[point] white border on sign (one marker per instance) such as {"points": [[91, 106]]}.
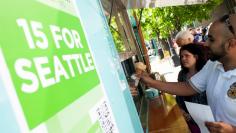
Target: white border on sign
{"points": [[11, 92]]}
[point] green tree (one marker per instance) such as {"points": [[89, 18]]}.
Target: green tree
{"points": [[119, 43], [161, 22]]}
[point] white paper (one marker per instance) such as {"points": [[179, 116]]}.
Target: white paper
{"points": [[200, 114]]}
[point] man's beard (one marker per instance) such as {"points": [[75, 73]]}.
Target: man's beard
{"points": [[217, 56]]}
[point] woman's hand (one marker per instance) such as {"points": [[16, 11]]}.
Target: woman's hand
{"points": [[220, 127], [133, 91]]}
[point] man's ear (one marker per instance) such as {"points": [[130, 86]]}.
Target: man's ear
{"points": [[231, 46], [232, 43]]}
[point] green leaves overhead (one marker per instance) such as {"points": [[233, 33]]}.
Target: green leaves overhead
{"points": [[162, 21]]}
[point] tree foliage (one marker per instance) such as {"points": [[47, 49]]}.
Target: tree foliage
{"points": [[119, 43], [159, 22]]}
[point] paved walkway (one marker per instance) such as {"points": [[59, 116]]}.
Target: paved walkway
{"points": [[164, 67]]}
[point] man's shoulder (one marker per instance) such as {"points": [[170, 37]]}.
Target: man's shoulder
{"points": [[210, 63], [210, 66]]}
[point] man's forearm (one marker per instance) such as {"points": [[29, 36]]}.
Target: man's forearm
{"points": [[175, 88]]}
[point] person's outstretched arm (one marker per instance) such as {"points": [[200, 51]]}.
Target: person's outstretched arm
{"points": [[175, 88]]}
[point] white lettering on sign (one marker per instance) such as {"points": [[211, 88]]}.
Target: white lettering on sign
{"points": [[59, 70], [21, 67], [47, 71], [70, 37], [43, 71], [41, 41], [45, 74]]}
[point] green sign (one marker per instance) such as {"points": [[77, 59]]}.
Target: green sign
{"points": [[47, 56]]}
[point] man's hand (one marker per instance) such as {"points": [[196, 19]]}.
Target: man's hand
{"points": [[146, 79], [220, 127]]}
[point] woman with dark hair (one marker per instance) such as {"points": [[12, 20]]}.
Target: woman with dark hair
{"points": [[192, 59]]}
